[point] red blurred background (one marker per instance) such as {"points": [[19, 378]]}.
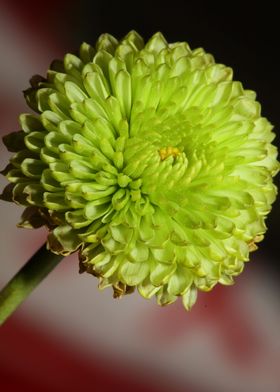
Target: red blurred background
{"points": [[68, 335]]}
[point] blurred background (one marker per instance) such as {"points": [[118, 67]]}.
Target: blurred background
{"points": [[68, 335]]}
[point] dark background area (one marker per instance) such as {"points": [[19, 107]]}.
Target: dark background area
{"points": [[244, 36]]}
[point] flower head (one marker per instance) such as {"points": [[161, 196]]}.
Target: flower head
{"points": [[150, 161]]}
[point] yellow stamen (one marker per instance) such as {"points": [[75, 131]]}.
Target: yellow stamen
{"points": [[166, 152]]}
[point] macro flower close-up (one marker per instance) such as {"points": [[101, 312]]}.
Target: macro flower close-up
{"points": [[150, 161]]}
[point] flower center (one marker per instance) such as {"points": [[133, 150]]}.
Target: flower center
{"points": [[166, 152]]}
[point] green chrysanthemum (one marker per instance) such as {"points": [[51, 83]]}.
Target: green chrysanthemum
{"points": [[149, 160]]}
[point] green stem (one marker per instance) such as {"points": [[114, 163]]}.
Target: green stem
{"points": [[21, 285]]}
